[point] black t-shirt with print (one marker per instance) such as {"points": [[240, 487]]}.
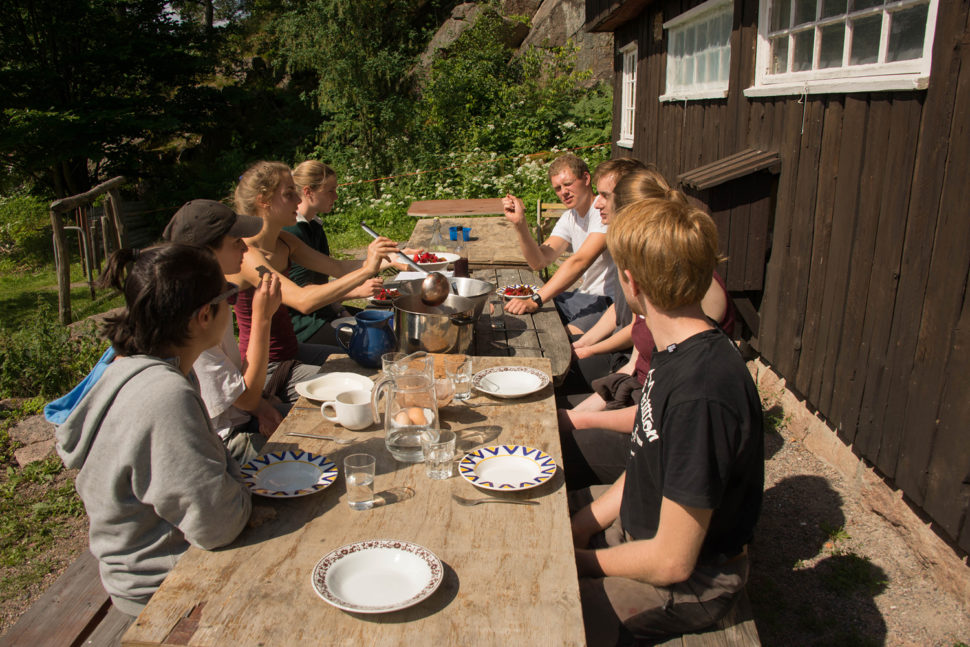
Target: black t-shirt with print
{"points": [[698, 441]]}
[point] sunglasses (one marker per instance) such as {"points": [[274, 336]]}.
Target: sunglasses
{"points": [[228, 295]]}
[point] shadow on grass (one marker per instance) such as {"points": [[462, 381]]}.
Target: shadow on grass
{"points": [[798, 599]]}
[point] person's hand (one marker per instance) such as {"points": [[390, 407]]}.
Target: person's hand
{"points": [[398, 264], [583, 352], [267, 297], [521, 306], [514, 209], [269, 418], [369, 288], [379, 249]]}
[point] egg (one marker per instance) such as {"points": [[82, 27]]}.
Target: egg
{"points": [[401, 418], [416, 415]]}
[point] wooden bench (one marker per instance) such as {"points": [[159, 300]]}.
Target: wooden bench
{"points": [[736, 629], [74, 611]]}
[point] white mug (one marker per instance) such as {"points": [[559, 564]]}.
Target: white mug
{"points": [[352, 410]]}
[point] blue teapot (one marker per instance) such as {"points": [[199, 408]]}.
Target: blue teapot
{"points": [[372, 337]]}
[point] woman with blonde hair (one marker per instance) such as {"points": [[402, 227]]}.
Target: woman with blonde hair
{"points": [[267, 190]]}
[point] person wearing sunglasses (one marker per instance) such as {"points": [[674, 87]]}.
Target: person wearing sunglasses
{"points": [[153, 476], [231, 387]]}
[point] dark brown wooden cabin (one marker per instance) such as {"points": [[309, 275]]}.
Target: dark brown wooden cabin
{"points": [[843, 206]]}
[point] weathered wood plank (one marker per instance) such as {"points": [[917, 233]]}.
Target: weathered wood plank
{"points": [[67, 611], [871, 188], [884, 280], [841, 246], [922, 216]]}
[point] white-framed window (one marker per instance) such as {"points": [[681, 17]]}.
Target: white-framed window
{"points": [[813, 46], [628, 94], [699, 52]]}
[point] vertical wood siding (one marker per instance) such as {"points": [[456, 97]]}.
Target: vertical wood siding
{"points": [[865, 309]]}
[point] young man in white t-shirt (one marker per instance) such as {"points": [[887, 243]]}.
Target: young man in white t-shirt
{"points": [[580, 229], [231, 389]]}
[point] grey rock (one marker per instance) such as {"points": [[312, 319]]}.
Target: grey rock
{"points": [[34, 452], [33, 429]]}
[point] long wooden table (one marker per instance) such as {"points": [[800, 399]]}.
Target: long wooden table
{"points": [[493, 242], [510, 577], [459, 207]]}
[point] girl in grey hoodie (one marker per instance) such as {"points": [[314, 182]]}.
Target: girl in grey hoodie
{"points": [[153, 476]]}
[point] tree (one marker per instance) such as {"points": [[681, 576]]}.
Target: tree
{"points": [[86, 83]]}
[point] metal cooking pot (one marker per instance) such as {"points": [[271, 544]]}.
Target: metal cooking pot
{"points": [[475, 290], [447, 328]]}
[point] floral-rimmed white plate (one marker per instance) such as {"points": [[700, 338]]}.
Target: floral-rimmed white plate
{"points": [[501, 291], [288, 474], [507, 467], [377, 575], [510, 381]]}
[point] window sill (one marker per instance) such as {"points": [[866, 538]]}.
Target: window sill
{"points": [[624, 143], [870, 84], [694, 96]]}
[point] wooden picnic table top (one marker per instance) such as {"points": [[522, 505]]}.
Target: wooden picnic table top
{"points": [[509, 570], [463, 207], [493, 241]]}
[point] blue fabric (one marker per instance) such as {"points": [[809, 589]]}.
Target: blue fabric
{"points": [[57, 411]]}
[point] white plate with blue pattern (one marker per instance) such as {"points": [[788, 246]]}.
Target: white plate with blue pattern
{"points": [[288, 474], [507, 467]]}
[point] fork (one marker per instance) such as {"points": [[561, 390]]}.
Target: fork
{"points": [[339, 441], [463, 501]]}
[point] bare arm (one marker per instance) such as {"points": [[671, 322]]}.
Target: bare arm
{"points": [[574, 266], [536, 255], [619, 340], [669, 557], [602, 329], [266, 300], [619, 420], [598, 515]]}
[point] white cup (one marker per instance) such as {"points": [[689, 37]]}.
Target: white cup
{"points": [[352, 410]]}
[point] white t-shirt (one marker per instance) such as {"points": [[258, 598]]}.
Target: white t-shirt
{"points": [[574, 229], [219, 371]]}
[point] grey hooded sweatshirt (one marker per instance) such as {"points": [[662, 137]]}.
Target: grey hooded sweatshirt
{"points": [[154, 477]]}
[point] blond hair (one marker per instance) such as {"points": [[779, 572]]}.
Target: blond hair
{"points": [[568, 161], [312, 173], [670, 248], [642, 184], [260, 180]]}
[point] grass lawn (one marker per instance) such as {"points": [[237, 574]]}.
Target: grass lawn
{"points": [[21, 291]]}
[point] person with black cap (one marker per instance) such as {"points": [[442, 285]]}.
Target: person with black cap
{"points": [[231, 388]]}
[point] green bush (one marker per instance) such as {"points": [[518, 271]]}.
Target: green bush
{"points": [[45, 358], [25, 232]]}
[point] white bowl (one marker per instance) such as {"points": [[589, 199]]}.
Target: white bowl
{"points": [[330, 385], [440, 265]]}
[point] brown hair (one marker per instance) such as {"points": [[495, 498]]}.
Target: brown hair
{"points": [[568, 161], [259, 180], [618, 168], [643, 184], [669, 247], [312, 173], [163, 286]]}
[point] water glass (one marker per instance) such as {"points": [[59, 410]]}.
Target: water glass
{"points": [[459, 369], [359, 470], [496, 310], [439, 455]]}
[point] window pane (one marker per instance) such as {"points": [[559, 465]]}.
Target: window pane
{"points": [[701, 44], [865, 40], [779, 55], [833, 39], [906, 32], [865, 4], [804, 42], [833, 8], [725, 28], [724, 74], [780, 14], [804, 11]]}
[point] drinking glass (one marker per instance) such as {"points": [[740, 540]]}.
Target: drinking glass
{"points": [[496, 310], [359, 470], [439, 455], [459, 369]]}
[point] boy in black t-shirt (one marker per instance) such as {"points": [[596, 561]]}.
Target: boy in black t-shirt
{"points": [[662, 550]]}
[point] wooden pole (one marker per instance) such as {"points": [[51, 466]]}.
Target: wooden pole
{"points": [[63, 268]]}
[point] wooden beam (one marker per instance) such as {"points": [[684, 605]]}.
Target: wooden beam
{"points": [[66, 204]]}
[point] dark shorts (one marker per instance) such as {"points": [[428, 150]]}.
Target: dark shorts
{"points": [[618, 610], [580, 309]]}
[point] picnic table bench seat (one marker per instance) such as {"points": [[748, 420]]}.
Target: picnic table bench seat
{"points": [[736, 629], [74, 611]]}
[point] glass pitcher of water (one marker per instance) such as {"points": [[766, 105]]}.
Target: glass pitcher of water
{"points": [[410, 413]]}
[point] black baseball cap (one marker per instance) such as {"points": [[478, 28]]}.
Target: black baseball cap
{"points": [[205, 222]]}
